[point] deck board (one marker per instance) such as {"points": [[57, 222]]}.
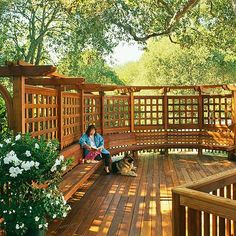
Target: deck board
{"points": [[132, 206]]}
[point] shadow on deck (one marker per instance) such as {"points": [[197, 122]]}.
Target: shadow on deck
{"points": [[120, 205]]}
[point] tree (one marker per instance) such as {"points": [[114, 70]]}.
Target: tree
{"points": [[165, 63], [90, 65]]}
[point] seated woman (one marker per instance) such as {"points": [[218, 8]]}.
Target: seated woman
{"points": [[93, 144]]}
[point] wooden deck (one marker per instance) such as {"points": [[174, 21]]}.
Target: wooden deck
{"points": [[120, 205]]}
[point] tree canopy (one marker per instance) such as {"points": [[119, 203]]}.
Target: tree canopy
{"points": [[77, 35]]}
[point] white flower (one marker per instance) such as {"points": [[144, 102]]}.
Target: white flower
{"points": [[7, 141], [58, 162], [4, 211], [63, 168], [18, 137], [36, 164], [61, 158], [17, 226], [40, 226], [13, 211], [22, 225], [57, 202], [11, 157], [64, 202], [36, 146], [54, 216], [1, 145], [27, 153], [64, 214], [9, 212], [2, 200], [30, 207], [54, 168], [14, 171], [68, 208], [48, 195], [36, 218], [46, 225], [25, 165]]}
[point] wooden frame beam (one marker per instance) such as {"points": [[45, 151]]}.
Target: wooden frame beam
{"points": [[16, 71], [55, 81]]}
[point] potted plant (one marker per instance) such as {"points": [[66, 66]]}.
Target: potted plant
{"points": [[31, 170]]}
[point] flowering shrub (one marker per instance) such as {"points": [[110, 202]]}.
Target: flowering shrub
{"points": [[30, 172]]}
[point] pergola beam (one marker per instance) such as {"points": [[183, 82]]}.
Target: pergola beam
{"points": [[16, 71], [54, 81]]}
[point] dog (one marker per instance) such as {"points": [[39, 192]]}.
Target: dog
{"points": [[125, 166]]}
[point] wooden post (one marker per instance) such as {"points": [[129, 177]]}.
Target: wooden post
{"points": [[165, 117], [178, 216], [60, 104], [102, 94], [82, 111], [194, 222], [234, 114], [19, 104], [200, 121], [131, 112]]}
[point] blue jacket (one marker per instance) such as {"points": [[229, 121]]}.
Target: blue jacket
{"points": [[98, 139]]}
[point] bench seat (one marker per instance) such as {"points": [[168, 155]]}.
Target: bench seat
{"points": [[76, 177]]}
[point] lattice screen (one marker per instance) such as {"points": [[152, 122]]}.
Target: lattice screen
{"points": [[41, 112], [92, 111], [116, 111], [148, 110], [183, 110], [217, 110], [71, 117]]}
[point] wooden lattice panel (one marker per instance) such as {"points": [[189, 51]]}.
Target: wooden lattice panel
{"points": [[92, 111], [71, 105], [117, 112], [183, 110], [148, 111], [217, 110], [41, 112]]}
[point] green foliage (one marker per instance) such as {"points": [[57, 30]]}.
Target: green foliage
{"points": [[3, 120], [31, 170], [90, 65], [165, 63]]}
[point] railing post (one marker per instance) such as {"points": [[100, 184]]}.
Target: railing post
{"points": [[165, 116], [194, 222], [234, 114], [200, 121], [102, 94], [60, 90], [178, 216], [19, 104], [131, 112], [82, 111]]}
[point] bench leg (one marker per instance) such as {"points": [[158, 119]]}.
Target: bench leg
{"points": [[135, 154], [166, 152], [231, 156], [199, 152]]}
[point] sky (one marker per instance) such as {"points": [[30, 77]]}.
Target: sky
{"points": [[125, 53]]}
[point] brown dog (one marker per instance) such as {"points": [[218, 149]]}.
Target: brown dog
{"points": [[125, 166]]}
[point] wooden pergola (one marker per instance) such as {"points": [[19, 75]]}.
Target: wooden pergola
{"points": [[46, 103]]}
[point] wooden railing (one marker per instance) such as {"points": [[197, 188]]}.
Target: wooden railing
{"points": [[63, 107], [206, 207]]}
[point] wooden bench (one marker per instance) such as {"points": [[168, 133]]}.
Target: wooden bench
{"points": [[77, 175]]}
